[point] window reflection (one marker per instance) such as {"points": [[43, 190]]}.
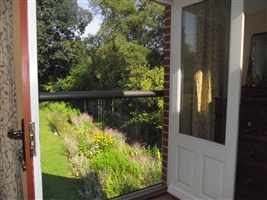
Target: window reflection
{"points": [[257, 75], [205, 49]]}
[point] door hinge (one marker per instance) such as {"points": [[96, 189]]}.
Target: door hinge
{"points": [[32, 138]]}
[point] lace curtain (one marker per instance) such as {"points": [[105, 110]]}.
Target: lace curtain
{"points": [[10, 170], [205, 69]]}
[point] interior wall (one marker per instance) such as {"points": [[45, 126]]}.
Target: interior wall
{"points": [[18, 72], [255, 22], [255, 5]]}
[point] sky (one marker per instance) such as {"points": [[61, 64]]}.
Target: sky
{"points": [[95, 24]]}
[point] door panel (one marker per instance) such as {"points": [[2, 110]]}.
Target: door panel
{"points": [[26, 99], [200, 168], [30, 98]]}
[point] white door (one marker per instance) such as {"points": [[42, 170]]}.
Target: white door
{"points": [[203, 146]]}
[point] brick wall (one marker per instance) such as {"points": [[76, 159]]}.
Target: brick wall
{"points": [[165, 131]]}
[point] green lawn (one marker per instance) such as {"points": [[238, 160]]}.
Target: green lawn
{"points": [[58, 182]]}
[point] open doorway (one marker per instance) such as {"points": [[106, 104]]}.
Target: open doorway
{"points": [[101, 99], [252, 149]]}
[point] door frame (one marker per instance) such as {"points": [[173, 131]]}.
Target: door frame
{"points": [[34, 91], [233, 97], [26, 99], [28, 28]]}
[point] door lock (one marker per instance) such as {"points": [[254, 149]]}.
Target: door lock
{"points": [[19, 135], [15, 134]]}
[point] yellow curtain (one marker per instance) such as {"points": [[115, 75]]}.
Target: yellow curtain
{"points": [[210, 72]]}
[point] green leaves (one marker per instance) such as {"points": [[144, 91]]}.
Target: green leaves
{"points": [[131, 35], [107, 165], [125, 54], [60, 23], [137, 20], [144, 78]]}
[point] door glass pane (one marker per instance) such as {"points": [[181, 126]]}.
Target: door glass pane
{"points": [[205, 48]]}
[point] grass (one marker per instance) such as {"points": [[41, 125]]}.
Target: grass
{"points": [[104, 164], [58, 182]]}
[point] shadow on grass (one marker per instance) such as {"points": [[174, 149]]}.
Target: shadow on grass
{"points": [[60, 188], [65, 188]]}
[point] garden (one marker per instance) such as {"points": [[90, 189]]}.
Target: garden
{"points": [[89, 160], [113, 146]]}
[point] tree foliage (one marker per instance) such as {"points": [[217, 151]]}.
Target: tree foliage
{"points": [[60, 25], [110, 67], [126, 53], [131, 35], [139, 21]]}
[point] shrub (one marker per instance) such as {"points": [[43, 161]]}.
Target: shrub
{"points": [[118, 174], [59, 116], [107, 165]]}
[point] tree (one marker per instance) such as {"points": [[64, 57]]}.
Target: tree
{"points": [[139, 21], [131, 35], [146, 112], [126, 53], [60, 25]]}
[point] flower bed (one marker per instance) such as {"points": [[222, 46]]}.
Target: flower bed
{"points": [[106, 165]]}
